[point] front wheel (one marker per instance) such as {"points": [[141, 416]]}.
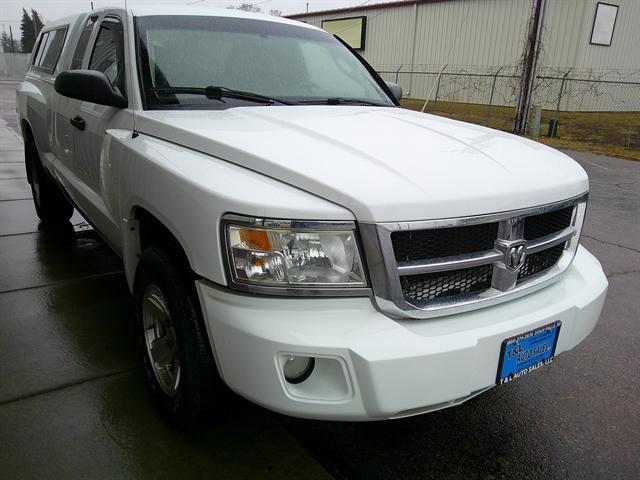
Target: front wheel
{"points": [[51, 204], [178, 362]]}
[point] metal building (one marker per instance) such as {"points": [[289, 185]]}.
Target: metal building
{"points": [[482, 44]]}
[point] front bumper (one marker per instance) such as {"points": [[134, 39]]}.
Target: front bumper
{"points": [[371, 367]]}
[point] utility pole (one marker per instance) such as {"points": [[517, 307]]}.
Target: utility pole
{"points": [[530, 64], [13, 47]]}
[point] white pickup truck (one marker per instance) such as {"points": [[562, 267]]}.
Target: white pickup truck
{"points": [[289, 231]]}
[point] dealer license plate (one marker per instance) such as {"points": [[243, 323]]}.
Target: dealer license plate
{"points": [[527, 352]]}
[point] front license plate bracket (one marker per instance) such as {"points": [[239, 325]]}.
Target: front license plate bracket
{"points": [[527, 352]]}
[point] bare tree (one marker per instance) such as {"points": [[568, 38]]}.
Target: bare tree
{"points": [[254, 8], [5, 41], [246, 7]]}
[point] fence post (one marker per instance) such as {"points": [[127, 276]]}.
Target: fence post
{"points": [[564, 78], [434, 85], [398, 71], [435, 100], [554, 122], [493, 88]]}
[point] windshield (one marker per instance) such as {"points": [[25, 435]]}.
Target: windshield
{"points": [[180, 55]]}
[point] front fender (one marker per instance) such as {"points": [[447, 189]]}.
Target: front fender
{"points": [[189, 192]]}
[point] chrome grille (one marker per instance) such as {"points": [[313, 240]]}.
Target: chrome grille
{"points": [[436, 267], [443, 242], [540, 262], [422, 289], [538, 226]]}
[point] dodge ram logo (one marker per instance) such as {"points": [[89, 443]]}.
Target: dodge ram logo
{"points": [[515, 255]]}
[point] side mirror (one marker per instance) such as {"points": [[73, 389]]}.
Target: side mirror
{"points": [[395, 89], [89, 86]]}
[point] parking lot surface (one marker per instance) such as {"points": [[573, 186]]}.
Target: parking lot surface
{"points": [[72, 396], [73, 402]]}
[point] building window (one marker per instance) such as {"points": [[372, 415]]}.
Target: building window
{"points": [[604, 23], [351, 30]]}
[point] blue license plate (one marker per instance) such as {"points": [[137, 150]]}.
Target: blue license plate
{"points": [[527, 352]]}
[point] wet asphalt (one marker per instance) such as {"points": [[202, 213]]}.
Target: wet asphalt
{"points": [[73, 402], [72, 399]]}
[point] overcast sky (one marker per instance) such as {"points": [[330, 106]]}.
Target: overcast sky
{"points": [[11, 10]]}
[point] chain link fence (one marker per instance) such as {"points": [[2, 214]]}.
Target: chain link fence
{"points": [[596, 107], [13, 66], [600, 107]]}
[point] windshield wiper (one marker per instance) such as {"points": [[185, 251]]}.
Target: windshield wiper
{"points": [[342, 101], [218, 93]]}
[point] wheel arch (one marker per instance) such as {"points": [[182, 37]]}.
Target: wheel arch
{"points": [[27, 132], [27, 135], [144, 228]]}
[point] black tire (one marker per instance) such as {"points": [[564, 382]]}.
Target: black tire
{"points": [[51, 204], [199, 392]]}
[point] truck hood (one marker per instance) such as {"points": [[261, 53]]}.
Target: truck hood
{"points": [[383, 164]]}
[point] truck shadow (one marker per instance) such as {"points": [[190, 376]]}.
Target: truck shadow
{"points": [[495, 435], [68, 252]]}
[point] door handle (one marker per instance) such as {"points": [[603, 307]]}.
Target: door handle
{"points": [[78, 122]]}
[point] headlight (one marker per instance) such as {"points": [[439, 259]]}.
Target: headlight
{"points": [[293, 254]]}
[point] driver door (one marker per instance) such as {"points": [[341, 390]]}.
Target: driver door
{"points": [[88, 123]]}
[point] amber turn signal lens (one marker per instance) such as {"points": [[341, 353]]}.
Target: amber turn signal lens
{"points": [[256, 238]]}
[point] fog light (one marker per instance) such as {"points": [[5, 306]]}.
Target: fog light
{"points": [[298, 369]]}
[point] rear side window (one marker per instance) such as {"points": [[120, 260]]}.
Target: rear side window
{"points": [[83, 41], [42, 44], [49, 49]]}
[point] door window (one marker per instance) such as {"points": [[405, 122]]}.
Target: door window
{"points": [[108, 52], [83, 42]]}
